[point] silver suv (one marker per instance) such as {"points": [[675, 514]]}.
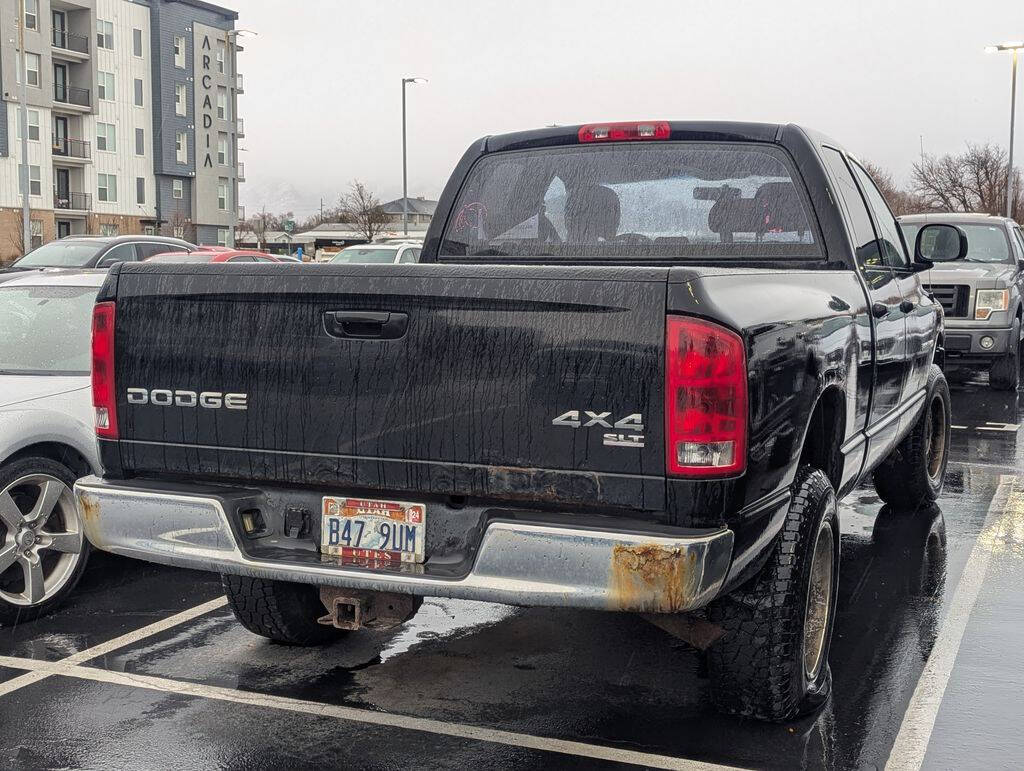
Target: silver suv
{"points": [[980, 294]]}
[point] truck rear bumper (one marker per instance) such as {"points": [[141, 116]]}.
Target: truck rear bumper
{"points": [[517, 563]]}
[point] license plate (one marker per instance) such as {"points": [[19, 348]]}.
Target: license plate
{"points": [[370, 532]]}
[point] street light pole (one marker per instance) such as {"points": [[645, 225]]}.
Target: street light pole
{"points": [[1013, 47], [26, 225], [1013, 113], [405, 165]]}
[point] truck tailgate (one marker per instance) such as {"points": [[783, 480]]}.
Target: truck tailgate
{"points": [[462, 380]]}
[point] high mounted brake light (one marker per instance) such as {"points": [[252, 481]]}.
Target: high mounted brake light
{"points": [[103, 391], [624, 132], [705, 399]]}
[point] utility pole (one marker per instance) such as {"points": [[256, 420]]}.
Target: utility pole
{"points": [[321, 210], [26, 224]]}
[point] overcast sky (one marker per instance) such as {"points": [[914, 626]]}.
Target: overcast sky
{"points": [[322, 104]]}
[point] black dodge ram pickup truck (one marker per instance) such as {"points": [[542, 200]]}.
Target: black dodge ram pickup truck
{"points": [[635, 368]]}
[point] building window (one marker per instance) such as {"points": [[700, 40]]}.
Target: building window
{"points": [[181, 147], [107, 188], [105, 85], [149, 230], [31, 70], [138, 92], [177, 189], [220, 56], [180, 99], [105, 34], [32, 15], [137, 42], [109, 230], [222, 236], [179, 52], [222, 148], [106, 137], [140, 190], [36, 232], [35, 185], [179, 231], [222, 103], [140, 141], [222, 193], [33, 125]]}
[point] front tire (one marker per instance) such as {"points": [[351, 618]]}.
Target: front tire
{"points": [[911, 476], [279, 610], [771, 661], [1005, 372], [43, 550]]}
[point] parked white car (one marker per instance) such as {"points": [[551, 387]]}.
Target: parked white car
{"points": [[47, 438], [378, 253]]}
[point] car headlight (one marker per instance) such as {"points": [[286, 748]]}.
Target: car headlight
{"points": [[989, 300]]}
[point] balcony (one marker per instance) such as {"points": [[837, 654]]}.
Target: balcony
{"points": [[241, 172], [240, 127], [239, 83], [71, 41], [72, 148], [72, 201], [71, 95]]}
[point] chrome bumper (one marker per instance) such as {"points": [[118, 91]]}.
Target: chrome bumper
{"points": [[517, 563]]}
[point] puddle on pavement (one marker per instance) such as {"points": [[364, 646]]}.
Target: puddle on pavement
{"points": [[438, 619]]}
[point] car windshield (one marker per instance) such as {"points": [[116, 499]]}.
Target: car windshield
{"points": [[46, 329], [678, 199], [61, 254], [985, 243], [367, 254]]}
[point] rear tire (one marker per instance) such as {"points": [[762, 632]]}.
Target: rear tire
{"points": [[42, 558], [771, 661], [1005, 372], [279, 610], [911, 476]]}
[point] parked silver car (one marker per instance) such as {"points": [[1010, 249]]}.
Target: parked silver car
{"points": [[982, 294], [47, 438]]}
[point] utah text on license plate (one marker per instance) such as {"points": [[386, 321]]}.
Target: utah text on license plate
{"points": [[359, 529]]}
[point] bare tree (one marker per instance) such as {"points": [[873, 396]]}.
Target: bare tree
{"points": [[257, 225], [900, 201], [974, 180], [178, 225], [363, 210]]}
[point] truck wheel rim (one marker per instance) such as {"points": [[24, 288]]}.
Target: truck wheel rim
{"points": [[936, 438], [819, 601], [43, 541]]}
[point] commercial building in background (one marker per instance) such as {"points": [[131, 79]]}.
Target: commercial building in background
{"points": [[133, 120]]}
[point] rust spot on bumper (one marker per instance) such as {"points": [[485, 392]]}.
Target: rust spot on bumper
{"points": [[652, 579], [89, 509]]}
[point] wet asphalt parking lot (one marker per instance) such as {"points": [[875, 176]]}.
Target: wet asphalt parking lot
{"points": [[146, 667]]}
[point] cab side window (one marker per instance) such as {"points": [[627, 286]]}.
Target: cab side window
{"points": [[119, 253], [1020, 240], [150, 249], [863, 234], [890, 241]]}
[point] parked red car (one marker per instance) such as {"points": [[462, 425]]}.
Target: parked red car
{"points": [[221, 255]]}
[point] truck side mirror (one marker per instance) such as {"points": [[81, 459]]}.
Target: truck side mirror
{"points": [[940, 243]]}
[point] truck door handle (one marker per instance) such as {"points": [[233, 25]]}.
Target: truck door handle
{"points": [[907, 306], [366, 325], [879, 310]]}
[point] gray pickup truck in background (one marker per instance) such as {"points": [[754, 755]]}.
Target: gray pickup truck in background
{"points": [[982, 295]]}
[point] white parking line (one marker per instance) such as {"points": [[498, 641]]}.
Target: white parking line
{"points": [[102, 649], [908, 751], [353, 714]]}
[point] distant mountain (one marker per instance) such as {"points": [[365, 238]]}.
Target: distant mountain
{"points": [[279, 196]]}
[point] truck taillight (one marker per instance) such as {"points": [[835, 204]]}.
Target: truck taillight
{"points": [[103, 391], [624, 132], [705, 399]]}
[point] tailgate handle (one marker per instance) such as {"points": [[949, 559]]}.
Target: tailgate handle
{"points": [[366, 325]]}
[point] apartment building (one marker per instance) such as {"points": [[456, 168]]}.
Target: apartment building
{"points": [[133, 120]]}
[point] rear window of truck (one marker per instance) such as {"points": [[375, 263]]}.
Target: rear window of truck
{"points": [[679, 199]]}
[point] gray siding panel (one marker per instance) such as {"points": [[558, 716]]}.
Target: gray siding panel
{"points": [[4, 146], [206, 234]]}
